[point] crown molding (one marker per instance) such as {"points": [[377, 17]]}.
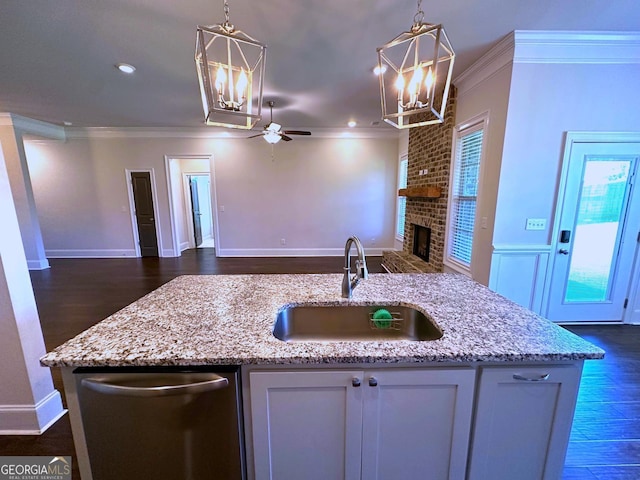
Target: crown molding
{"points": [[32, 127], [498, 57], [590, 47], [218, 133], [552, 47]]}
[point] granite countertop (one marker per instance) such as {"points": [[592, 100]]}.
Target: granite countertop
{"points": [[228, 319]]}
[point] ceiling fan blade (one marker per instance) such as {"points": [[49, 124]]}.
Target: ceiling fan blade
{"points": [[254, 136], [285, 138], [296, 132]]}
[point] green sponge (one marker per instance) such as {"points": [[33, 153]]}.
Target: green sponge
{"points": [[382, 318]]}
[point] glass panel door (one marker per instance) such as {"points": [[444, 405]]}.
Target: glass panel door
{"points": [[598, 228], [595, 243]]}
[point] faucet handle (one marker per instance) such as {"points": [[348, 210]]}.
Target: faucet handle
{"points": [[361, 268]]}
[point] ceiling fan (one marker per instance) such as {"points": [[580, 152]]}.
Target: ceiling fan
{"points": [[273, 132]]}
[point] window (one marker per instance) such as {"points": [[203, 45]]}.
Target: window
{"points": [[464, 193], [402, 201]]}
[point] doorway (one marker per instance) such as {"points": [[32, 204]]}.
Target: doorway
{"points": [[180, 169], [144, 213], [596, 233]]}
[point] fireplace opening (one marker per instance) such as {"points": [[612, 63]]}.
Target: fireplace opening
{"points": [[421, 241]]}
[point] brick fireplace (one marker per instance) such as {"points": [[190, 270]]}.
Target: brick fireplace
{"points": [[430, 150]]}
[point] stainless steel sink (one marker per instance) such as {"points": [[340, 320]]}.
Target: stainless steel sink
{"points": [[304, 323]]}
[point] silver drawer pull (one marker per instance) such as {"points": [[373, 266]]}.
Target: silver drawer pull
{"points": [[373, 382], [355, 381], [536, 378]]}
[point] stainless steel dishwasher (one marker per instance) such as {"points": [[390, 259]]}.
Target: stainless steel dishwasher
{"points": [[162, 423]]}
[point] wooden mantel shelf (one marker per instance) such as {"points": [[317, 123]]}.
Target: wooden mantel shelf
{"points": [[420, 192]]}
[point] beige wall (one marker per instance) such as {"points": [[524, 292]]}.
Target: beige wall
{"points": [[546, 101], [313, 192], [489, 97]]}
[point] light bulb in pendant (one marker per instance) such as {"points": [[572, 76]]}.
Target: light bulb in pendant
{"points": [[241, 86], [428, 82], [414, 85], [400, 84], [220, 80]]}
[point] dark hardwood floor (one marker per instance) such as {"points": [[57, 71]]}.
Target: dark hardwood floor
{"points": [[77, 293], [605, 440]]}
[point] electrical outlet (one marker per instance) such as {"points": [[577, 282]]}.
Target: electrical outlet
{"points": [[283, 241], [536, 224]]}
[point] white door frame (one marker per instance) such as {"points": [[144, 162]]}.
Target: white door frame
{"points": [[132, 208], [173, 208], [590, 137]]}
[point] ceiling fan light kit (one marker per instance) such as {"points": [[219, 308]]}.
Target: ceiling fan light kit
{"points": [[230, 66], [273, 132], [415, 75]]}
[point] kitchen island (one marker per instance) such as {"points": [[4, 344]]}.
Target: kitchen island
{"points": [[500, 377]]}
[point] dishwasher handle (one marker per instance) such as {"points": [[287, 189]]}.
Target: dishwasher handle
{"points": [[203, 383]]}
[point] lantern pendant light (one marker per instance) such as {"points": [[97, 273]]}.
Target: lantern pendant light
{"points": [[230, 67], [415, 75]]}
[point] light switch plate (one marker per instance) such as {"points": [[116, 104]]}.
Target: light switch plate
{"points": [[536, 224]]}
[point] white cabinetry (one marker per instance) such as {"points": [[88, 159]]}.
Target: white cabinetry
{"points": [[361, 424], [523, 422]]}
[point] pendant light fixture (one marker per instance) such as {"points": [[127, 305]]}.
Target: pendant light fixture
{"points": [[230, 67], [415, 75]]}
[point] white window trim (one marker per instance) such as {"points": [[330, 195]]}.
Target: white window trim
{"points": [[479, 122], [400, 238]]}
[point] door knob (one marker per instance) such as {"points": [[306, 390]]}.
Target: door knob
{"points": [[562, 251], [373, 382], [355, 381]]}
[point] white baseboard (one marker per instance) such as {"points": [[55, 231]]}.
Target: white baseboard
{"points": [[294, 252], [38, 264], [106, 253], [31, 419], [168, 252], [184, 246]]}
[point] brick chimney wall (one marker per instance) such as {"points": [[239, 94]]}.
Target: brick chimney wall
{"points": [[430, 149]]}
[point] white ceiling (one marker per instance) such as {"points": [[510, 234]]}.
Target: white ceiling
{"points": [[57, 56]]}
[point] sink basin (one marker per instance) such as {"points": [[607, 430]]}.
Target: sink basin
{"points": [[347, 323]]}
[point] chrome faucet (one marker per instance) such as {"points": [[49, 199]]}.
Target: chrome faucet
{"points": [[348, 282]]}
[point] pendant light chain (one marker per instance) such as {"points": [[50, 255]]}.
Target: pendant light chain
{"points": [[227, 25], [418, 18]]}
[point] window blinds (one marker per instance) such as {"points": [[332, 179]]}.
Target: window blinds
{"points": [[464, 193], [402, 201]]}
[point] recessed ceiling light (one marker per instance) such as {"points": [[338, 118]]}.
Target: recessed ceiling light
{"points": [[378, 70], [352, 123], [125, 67], [67, 124]]}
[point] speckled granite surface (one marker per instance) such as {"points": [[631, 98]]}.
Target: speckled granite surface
{"points": [[228, 319]]}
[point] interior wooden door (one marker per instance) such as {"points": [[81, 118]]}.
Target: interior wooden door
{"points": [[195, 210], [145, 215]]}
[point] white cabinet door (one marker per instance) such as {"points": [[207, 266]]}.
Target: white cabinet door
{"points": [[416, 423], [523, 422], [309, 424], [306, 425]]}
